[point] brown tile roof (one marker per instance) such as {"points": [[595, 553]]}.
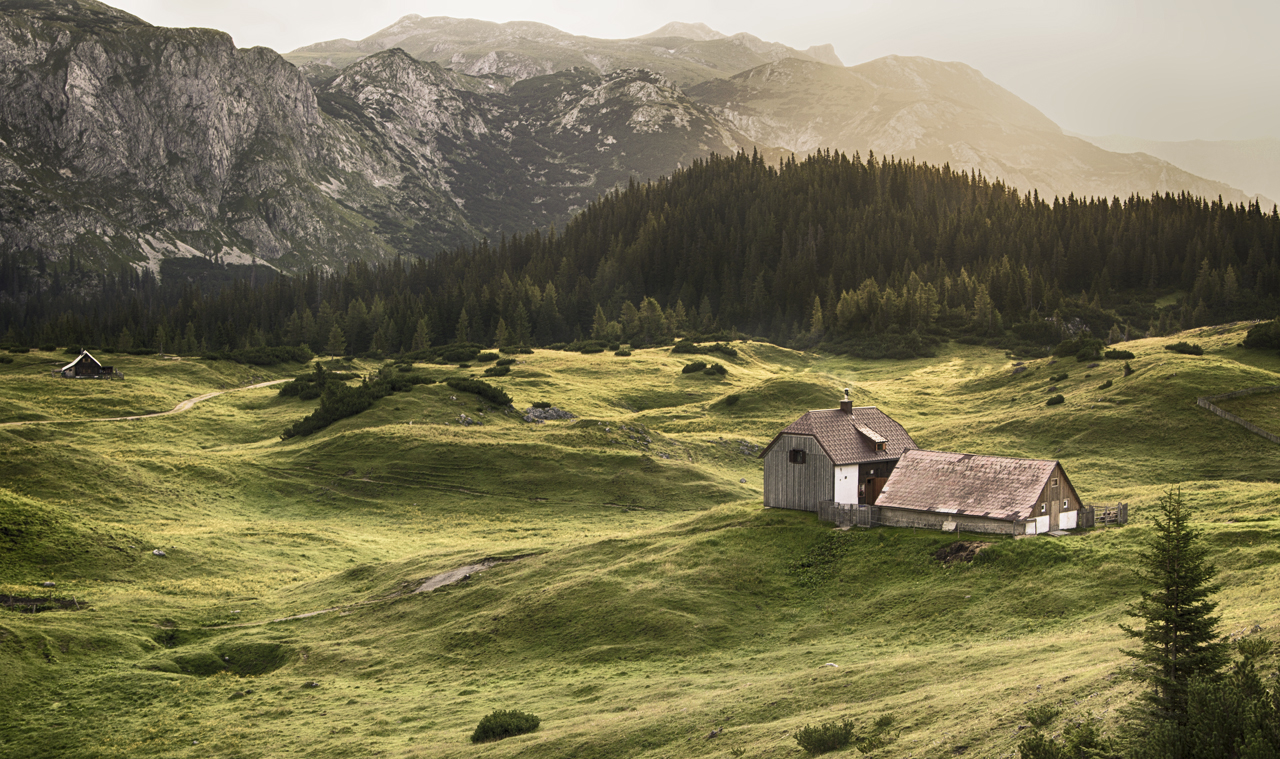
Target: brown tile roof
{"points": [[840, 437], [963, 483]]}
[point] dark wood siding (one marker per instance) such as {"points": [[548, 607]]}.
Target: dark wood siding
{"points": [[798, 486]]}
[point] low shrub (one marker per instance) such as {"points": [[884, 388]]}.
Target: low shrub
{"points": [[505, 362], [1084, 348], [542, 404], [484, 358], [1118, 354], [1185, 348], [1128, 369], [732, 400], [497, 371], [1105, 385], [279, 354], [693, 368], [829, 736], [690, 347], [1055, 400], [495, 395], [503, 724], [48, 348], [1058, 377], [622, 352], [458, 354], [715, 369], [1039, 716], [1264, 335], [6, 359], [615, 346], [18, 349]]}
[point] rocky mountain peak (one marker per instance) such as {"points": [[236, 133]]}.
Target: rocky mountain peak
{"points": [[699, 31]]}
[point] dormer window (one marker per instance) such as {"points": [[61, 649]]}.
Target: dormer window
{"points": [[880, 447], [797, 456]]}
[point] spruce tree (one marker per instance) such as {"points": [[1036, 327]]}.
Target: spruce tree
{"points": [[1179, 640], [337, 344]]}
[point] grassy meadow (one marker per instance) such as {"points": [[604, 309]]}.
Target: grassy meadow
{"points": [[645, 599]]}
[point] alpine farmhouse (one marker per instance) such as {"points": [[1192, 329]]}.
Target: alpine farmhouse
{"points": [[859, 456]]}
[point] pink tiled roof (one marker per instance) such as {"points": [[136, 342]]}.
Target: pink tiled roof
{"points": [[963, 483], [838, 434]]}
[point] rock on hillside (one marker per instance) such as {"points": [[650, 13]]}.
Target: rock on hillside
{"points": [[935, 112]]}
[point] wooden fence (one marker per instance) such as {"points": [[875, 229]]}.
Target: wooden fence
{"points": [[863, 515], [1206, 402], [849, 514]]}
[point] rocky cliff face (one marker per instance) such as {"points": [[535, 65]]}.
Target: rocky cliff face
{"points": [[127, 141]]}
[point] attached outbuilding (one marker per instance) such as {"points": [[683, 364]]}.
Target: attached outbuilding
{"points": [[844, 455], [84, 367], [994, 494]]}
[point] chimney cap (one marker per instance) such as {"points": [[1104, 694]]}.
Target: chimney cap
{"points": [[846, 393]]}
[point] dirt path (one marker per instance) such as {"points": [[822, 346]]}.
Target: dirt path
{"points": [[451, 577], [178, 409]]}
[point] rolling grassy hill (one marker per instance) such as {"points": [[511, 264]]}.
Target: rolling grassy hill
{"points": [[648, 599]]}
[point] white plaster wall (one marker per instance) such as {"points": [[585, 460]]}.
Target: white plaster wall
{"points": [[1042, 524], [1067, 520], [847, 484]]}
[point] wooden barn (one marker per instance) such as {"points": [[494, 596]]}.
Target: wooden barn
{"points": [[995, 494], [84, 367], [844, 455]]}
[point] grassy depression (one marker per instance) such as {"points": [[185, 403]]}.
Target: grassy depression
{"points": [[644, 598]]}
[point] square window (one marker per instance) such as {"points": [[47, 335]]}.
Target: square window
{"points": [[880, 446], [1066, 503], [1053, 483], [1044, 508], [797, 456]]}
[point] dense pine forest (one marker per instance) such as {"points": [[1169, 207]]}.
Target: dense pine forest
{"points": [[875, 257]]}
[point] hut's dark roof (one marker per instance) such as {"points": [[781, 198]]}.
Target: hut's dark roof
{"points": [[997, 487], [850, 438]]}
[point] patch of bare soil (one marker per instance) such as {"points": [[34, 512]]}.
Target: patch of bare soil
{"points": [[961, 550]]}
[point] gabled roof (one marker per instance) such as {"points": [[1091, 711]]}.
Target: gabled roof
{"points": [[850, 438], [997, 487], [80, 358]]}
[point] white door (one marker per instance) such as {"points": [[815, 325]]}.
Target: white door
{"points": [[846, 484]]}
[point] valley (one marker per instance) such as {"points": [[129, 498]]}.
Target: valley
{"points": [[649, 599]]}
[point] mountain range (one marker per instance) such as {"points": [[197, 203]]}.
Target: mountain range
{"points": [[125, 142]]}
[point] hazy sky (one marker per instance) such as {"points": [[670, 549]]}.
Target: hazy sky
{"points": [[1160, 69]]}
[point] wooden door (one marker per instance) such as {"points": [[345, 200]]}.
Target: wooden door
{"points": [[874, 486]]}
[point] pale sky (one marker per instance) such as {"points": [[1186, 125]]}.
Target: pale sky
{"points": [[1158, 69]]}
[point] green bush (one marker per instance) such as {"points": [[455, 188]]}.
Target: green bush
{"points": [[1055, 400], [495, 395], [280, 354], [6, 359], [503, 724], [19, 349], [484, 358], [1105, 385], [458, 354], [542, 404], [715, 369], [696, 366], [1057, 378], [1039, 716], [497, 371], [505, 362], [732, 400], [1264, 335], [1083, 348], [829, 736], [1183, 347], [622, 352], [1118, 354]]}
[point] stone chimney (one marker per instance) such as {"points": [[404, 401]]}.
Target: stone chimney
{"points": [[846, 405]]}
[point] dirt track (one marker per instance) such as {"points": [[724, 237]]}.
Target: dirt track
{"points": [[178, 409]]}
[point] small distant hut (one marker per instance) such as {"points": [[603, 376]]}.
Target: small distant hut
{"points": [[85, 367]]}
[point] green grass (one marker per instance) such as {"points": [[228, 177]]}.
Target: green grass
{"points": [[655, 600]]}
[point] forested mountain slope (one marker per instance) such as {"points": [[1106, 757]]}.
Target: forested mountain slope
{"points": [[831, 248]]}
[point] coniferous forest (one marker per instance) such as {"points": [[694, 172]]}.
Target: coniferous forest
{"points": [[874, 257]]}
